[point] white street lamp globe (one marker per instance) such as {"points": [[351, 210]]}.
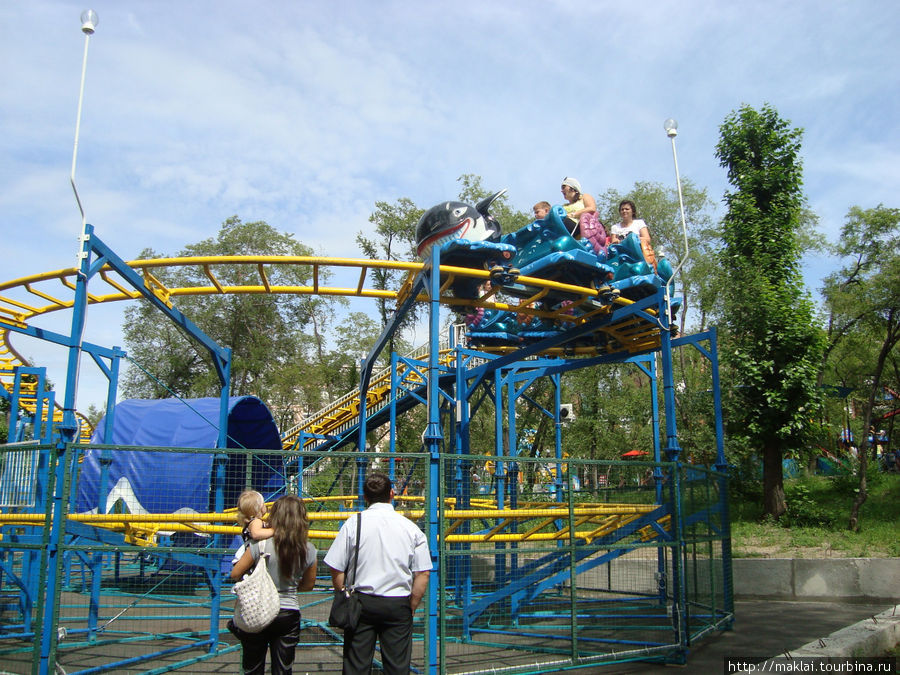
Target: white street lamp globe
{"points": [[89, 21], [671, 127]]}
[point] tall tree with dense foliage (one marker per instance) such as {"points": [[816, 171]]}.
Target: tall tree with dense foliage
{"points": [[773, 346], [266, 332], [863, 300]]}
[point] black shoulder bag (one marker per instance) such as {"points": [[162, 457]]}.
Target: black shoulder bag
{"points": [[346, 607]]}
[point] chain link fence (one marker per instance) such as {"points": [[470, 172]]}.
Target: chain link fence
{"points": [[542, 564]]}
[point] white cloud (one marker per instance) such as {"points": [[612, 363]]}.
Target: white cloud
{"points": [[279, 111]]}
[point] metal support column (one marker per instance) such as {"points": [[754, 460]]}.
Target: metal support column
{"points": [[673, 453], [433, 439]]}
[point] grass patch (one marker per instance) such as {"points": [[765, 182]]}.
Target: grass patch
{"points": [[815, 524]]}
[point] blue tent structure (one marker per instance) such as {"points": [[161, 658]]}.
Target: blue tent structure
{"points": [[163, 482]]}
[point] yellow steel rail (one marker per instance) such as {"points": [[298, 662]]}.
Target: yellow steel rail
{"points": [[344, 412], [36, 298], [25, 299], [592, 521]]}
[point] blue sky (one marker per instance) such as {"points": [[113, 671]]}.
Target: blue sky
{"points": [[303, 114]]}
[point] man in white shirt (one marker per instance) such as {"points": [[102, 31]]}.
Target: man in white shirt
{"points": [[392, 574]]}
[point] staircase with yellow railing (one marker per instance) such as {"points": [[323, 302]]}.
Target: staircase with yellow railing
{"points": [[343, 414]]}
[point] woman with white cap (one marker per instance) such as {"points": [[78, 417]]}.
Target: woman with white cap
{"points": [[577, 204]]}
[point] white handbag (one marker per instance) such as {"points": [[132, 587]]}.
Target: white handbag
{"points": [[257, 602]]}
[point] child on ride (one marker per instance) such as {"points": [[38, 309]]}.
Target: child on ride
{"points": [[541, 209]]}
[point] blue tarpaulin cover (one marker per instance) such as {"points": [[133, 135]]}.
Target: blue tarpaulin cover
{"points": [[164, 482]]}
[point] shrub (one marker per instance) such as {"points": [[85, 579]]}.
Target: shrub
{"points": [[803, 510]]}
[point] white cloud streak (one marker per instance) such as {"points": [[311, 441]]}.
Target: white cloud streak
{"points": [[305, 113]]}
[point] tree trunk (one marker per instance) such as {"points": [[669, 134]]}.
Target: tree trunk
{"points": [[862, 494], [773, 483], [891, 339]]}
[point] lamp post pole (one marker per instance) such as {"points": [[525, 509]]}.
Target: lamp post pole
{"points": [[54, 500], [671, 127], [69, 428], [677, 583], [672, 448], [89, 21]]}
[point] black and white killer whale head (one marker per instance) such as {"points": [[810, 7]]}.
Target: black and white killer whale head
{"points": [[455, 220]]}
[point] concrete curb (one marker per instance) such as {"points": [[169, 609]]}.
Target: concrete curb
{"points": [[840, 579], [871, 637]]}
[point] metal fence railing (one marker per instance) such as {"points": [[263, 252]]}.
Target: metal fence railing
{"points": [[121, 563]]}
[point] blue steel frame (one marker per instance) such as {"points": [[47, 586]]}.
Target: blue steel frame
{"points": [[498, 374], [94, 256], [42, 429], [510, 373]]}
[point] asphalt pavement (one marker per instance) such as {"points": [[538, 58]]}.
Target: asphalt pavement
{"points": [[762, 628]]}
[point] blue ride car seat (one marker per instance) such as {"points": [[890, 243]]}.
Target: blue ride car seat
{"points": [[547, 250]]}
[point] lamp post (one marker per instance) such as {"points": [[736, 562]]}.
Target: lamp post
{"points": [[89, 21], [671, 127], [69, 426], [672, 448]]}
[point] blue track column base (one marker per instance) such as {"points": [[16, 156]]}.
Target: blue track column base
{"points": [[679, 658]]}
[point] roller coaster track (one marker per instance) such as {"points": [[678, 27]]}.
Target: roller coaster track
{"points": [[27, 299], [529, 522]]}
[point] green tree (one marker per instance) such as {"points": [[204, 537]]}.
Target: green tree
{"points": [[772, 345], [270, 349], [354, 338], [94, 414], [613, 416], [612, 408], [863, 299]]}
